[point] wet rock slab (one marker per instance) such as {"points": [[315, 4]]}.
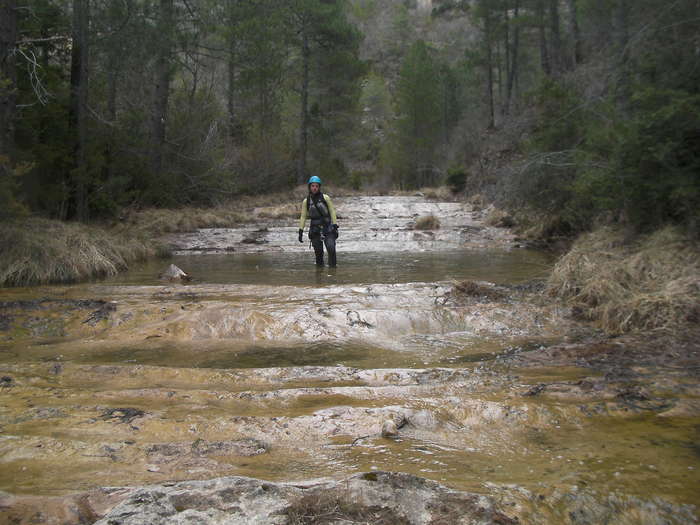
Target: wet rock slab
{"points": [[377, 497], [366, 224]]}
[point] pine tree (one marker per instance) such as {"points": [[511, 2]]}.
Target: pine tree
{"points": [[419, 116]]}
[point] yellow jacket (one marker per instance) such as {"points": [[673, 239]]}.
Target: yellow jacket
{"points": [[304, 209]]}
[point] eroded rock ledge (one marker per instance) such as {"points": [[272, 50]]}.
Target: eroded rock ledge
{"points": [[377, 498]]}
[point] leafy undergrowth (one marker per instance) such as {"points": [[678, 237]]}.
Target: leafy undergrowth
{"points": [[650, 283], [38, 251]]}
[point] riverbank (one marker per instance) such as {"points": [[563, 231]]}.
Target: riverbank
{"points": [[38, 251]]}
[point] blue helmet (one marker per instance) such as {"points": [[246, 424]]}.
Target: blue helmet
{"points": [[314, 179]]}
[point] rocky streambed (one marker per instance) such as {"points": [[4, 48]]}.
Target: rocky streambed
{"points": [[399, 388]]}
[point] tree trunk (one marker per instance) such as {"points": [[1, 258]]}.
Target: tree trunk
{"points": [[112, 89], [8, 83], [555, 53], [577, 53], [507, 49], [622, 42], [499, 71], [162, 86], [78, 105], [489, 69], [304, 113], [231, 83], [513, 71], [544, 53]]}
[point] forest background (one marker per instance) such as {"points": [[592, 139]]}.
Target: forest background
{"points": [[574, 109], [569, 112]]}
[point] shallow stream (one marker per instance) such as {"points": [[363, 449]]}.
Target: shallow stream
{"points": [[266, 367]]}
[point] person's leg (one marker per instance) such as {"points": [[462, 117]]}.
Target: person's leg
{"points": [[329, 241], [317, 243], [318, 250]]}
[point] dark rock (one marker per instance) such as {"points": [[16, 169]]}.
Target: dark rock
{"points": [[5, 322], [121, 415], [535, 390], [242, 447], [101, 313], [354, 319], [46, 303]]}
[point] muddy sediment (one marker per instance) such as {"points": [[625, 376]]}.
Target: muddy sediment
{"points": [[253, 401]]}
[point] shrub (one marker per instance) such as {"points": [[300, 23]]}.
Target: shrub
{"points": [[427, 222], [499, 218], [456, 179]]}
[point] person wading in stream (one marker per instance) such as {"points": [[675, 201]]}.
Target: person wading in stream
{"points": [[324, 228]]}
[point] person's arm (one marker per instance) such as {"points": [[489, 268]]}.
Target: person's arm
{"points": [[302, 218], [331, 209]]}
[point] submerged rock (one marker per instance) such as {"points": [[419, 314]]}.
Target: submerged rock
{"points": [[173, 273], [389, 429], [101, 313]]}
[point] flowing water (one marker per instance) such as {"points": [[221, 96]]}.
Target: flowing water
{"points": [[265, 366]]}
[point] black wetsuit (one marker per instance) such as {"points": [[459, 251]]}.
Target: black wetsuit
{"points": [[320, 211]]}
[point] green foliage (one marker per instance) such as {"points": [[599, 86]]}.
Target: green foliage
{"points": [[418, 106], [558, 126], [646, 167], [456, 179], [638, 164], [611, 134], [9, 204], [364, 9]]}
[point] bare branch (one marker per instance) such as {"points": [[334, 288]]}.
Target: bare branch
{"points": [[28, 41], [33, 67]]}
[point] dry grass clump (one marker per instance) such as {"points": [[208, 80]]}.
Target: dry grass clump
{"points": [[284, 211], [154, 222], [474, 289], [477, 201], [499, 218], [648, 284], [38, 251], [441, 193], [438, 193], [427, 222], [466, 290]]}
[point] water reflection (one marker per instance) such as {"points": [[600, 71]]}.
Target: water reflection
{"points": [[281, 269]]}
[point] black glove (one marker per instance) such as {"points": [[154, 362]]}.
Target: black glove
{"points": [[301, 235], [335, 229]]}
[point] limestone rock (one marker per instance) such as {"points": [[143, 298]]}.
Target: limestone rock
{"points": [[375, 496], [173, 273], [389, 429]]}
